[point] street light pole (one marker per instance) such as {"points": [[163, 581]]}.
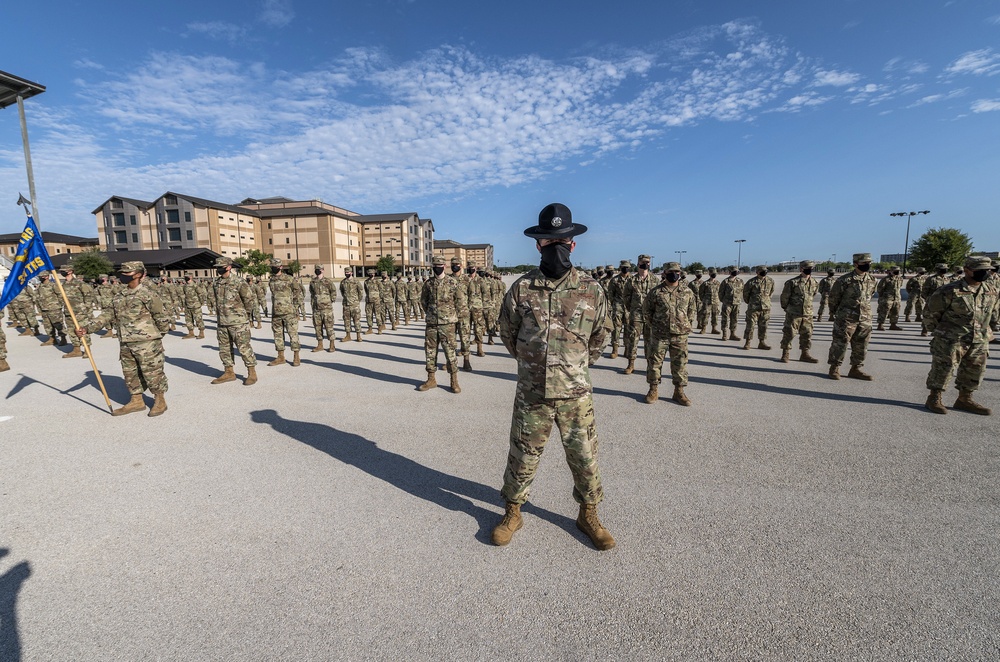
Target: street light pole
{"points": [[909, 215], [739, 252], [679, 254]]}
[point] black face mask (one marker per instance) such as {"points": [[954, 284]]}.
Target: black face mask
{"points": [[644, 266], [482, 274], [624, 271], [673, 277], [275, 271], [221, 271], [896, 272], [471, 271], [864, 267], [439, 270], [347, 275], [979, 275], [455, 268], [734, 273], [807, 271], [555, 260], [761, 273], [125, 279], [317, 272], [942, 272]]}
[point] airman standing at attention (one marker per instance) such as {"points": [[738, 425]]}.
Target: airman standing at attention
{"points": [[255, 314], [50, 304], [492, 298], [958, 315], [994, 282], [413, 297], [757, 296], [479, 291], [956, 274], [203, 292], [851, 303], [388, 292], [824, 294], [302, 297], [932, 283], [191, 300], [609, 273], [888, 299], [598, 275], [402, 309], [797, 302], [730, 296], [709, 295], [233, 299], [635, 291], [461, 310], [695, 287], [323, 294], [81, 297], [914, 300], [616, 298], [24, 305], [373, 303], [352, 290], [670, 311], [259, 290], [104, 293], [440, 300], [285, 295]]}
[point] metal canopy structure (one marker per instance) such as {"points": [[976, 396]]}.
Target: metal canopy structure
{"points": [[155, 261], [12, 87]]}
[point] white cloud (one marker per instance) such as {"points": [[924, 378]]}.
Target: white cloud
{"points": [[276, 13], [222, 30], [934, 98], [835, 78], [985, 105], [86, 63], [981, 62]]}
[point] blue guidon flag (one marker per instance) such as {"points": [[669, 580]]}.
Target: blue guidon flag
{"points": [[31, 257]]}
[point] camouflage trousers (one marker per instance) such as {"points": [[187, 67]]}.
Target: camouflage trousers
{"points": [[352, 315], [443, 335], [3, 344], [142, 366], [708, 310], [372, 314], [254, 315], [530, 428], [463, 330], [24, 316], [757, 319], [263, 306], [803, 326], [730, 317], [75, 339], [282, 324], [850, 332], [239, 336], [52, 320], [193, 319], [617, 322], [915, 304], [402, 310], [389, 312], [491, 317], [414, 309], [888, 308], [478, 320], [633, 330], [659, 347], [968, 358], [323, 323], [824, 301]]}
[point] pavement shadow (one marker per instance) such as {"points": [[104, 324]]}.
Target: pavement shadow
{"points": [[755, 368], [383, 357], [369, 374], [197, 367], [115, 386], [842, 397], [10, 585], [447, 491]]}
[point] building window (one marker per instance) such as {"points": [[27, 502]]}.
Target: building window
{"points": [[135, 237], [173, 216], [190, 235], [121, 237], [119, 220], [131, 219], [270, 241], [288, 256], [160, 236], [187, 217], [159, 217], [174, 234], [286, 225], [268, 225], [117, 204], [287, 240], [170, 200]]}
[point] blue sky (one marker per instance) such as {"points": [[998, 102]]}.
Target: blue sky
{"points": [[665, 126]]}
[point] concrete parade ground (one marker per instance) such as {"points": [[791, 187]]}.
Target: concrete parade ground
{"points": [[332, 512]]}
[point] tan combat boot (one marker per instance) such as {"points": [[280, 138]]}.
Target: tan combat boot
{"points": [[455, 388], [715, 330], [895, 327], [466, 366], [966, 403], [4, 367], [190, 334], [73, 354], [357, 336], [614, 351], [201, 332], [26, 332], [368, 332], [834, 371], [479, 348], [923, 332], [227, 376], [347, 337], [934, 403], [331, 348], [251, 376], [806, 357], [654, 394], [857, 373], [159, 405], [510, 523], [490, 339], [763, 345], [786, 355], [880, 327], [679, 397], [703, 331], [588, 522], [279, 359], [50, 341], [318, 347], [746, 343], [295, 359], [132, 406], [906, 319], [629, 368], [430, 383]]}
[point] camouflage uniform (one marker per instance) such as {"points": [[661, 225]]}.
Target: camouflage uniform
{"points": [[302, 297], [461, 307], [695, 287], [635, 292], [931, 284], [203, 290], [555, 329], [440, 301], [850, 302], [352, 290], [50, 304], [191, 300], [254, 313], [209, 297], [730, 296], [888, 300], [24, 310], [670, 311], [824, 294], [616, 298], [285, 301], [322, 296], [233, 298], [388, 298], [81, 297], [958, 315], [141, 322], [3, 351], [373, 303], [994, 282], [260, 290], [914, 298], [479, 294], [797, 302], [413, 287], [402, 309], [105, 294], [709, 295], [757, 296]]}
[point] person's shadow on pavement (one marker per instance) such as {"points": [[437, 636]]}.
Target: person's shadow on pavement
{"points": [[10, 584]]}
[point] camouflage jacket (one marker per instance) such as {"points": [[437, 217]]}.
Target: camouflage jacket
{"points": [[285, 295], [233, 300], [888, 288], [731, 290], [555, 329], [914, 285], [190, 296], [709, 291], [670, 310], [959, 312], [413, 290], [373, 293], [757, 293], [401, 291], [203, 291], [480, 292], [635, 293], [439, 297], [695, 287], [352, 290], [797, 296], [137, 314], [461, 293], [26, 299], [387, 291], [616, 290], [851, 297], [80, 296], [105, 294], [933, 283], [826, 285], [48, 298], [499, 291], [322, 293]]}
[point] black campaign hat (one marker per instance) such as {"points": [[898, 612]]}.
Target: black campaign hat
{"points": [[555, 222]]}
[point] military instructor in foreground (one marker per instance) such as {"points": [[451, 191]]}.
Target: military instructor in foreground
{"points": [[554, 322]]}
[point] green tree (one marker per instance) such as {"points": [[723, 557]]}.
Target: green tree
{"points": [[693, 267], [256, 263], [948, 245], [294, 268], [387, 264], [91, 263]]}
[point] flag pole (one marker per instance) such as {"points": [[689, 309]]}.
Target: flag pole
{"points": [[86, 347]]}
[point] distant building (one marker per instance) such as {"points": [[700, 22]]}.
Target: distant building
{"points": [[55, 243], [479, 254], [895, 258]]}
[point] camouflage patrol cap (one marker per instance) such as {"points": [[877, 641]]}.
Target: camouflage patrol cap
{"points": [[699, 272], [806, 264], [608, 267], [713, 272], [68, 266], [457, 261], [438, 261], [371, 272], [731, 267], [921, 270], [44, 274], [319, 267], [975, 262], [760, 267], [383, 273], [223, 261], [275, 262], [644, 257], [671, 266], [830, 271], [132, 267], [958, 269], [941, 266], [624, 263], [862, 257]]}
